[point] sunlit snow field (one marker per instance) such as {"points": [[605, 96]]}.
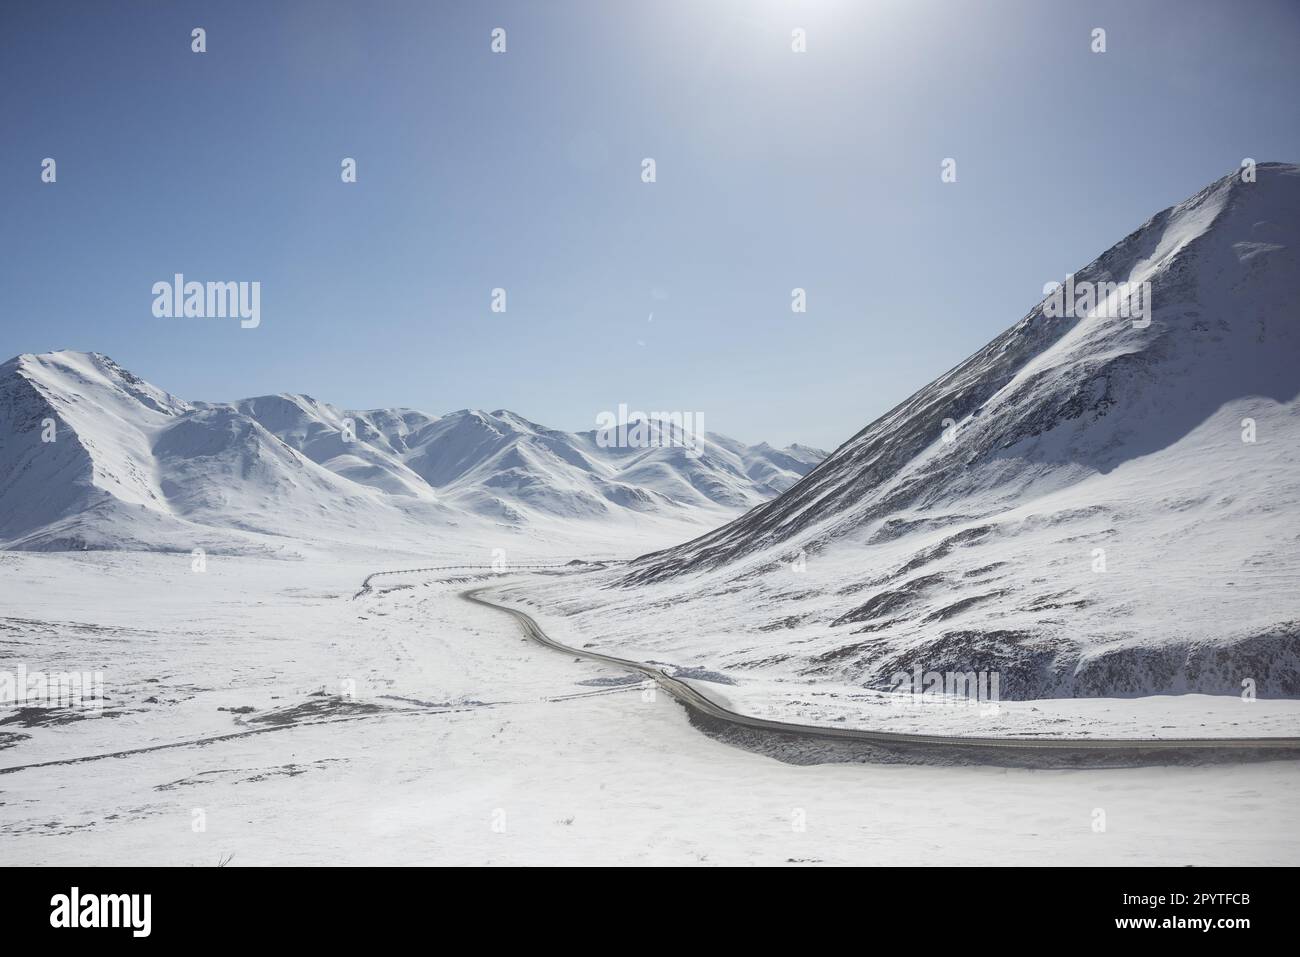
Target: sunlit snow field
{"points": [[463, 743]]}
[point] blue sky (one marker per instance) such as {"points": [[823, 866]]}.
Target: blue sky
{"points": [[522, 170]]}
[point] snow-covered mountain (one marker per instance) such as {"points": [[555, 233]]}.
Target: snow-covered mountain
{"points": [[1087, 505], [92, 456]]}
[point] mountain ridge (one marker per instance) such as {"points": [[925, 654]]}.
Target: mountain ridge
{"points": [[1090, 504], [961, 405], [137, 459]]}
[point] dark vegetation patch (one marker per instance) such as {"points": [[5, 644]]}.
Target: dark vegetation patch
{"points": [[612, 681], [703, 674], [315, 710], [1026, 662], [248, 775], [54, 717], [957, 607], [760, 662], [890, 601], [792, 621], [969, 536]]}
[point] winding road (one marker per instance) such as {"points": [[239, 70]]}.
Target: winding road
{"points": [[699, 703]]}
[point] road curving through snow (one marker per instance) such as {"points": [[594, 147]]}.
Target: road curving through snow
{"points": [[1059, 748]]}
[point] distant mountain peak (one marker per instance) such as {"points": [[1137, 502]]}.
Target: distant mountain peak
{"points": [[134, 466]]}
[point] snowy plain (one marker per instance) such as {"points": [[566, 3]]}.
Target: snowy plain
{"points": [[462, 743]]}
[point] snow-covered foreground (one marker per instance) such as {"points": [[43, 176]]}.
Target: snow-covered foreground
{"points": [[465, 744]]}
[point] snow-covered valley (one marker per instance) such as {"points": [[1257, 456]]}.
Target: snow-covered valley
{"points": [[1099, 512], [462, 743]]}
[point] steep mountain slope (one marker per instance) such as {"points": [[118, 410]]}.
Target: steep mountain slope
{"points": [[92, 456], [75, 441], [1088, 505], [130, 466]]}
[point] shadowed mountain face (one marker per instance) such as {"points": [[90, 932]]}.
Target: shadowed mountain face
{"points": [[1053, 401], [1092, 504], [92, 456]]}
